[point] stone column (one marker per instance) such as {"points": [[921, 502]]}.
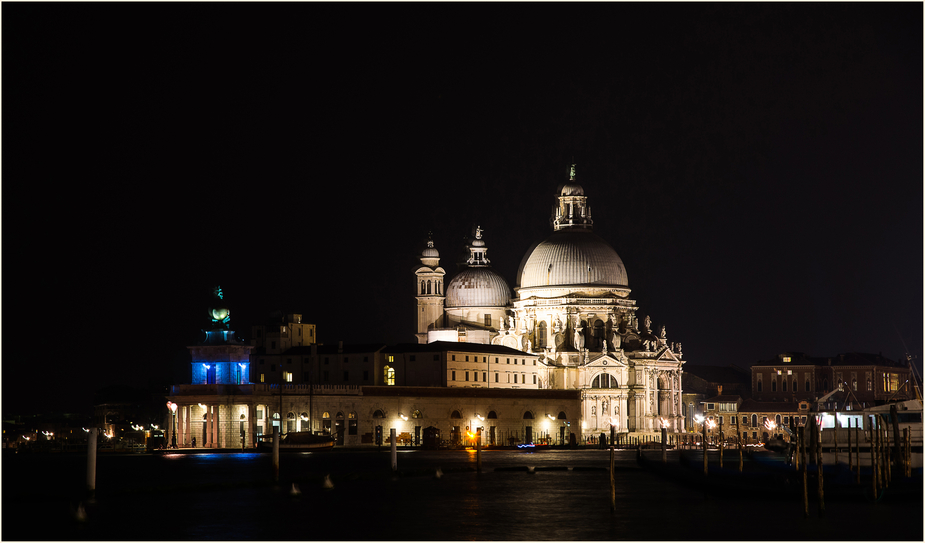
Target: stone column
{"points": [[252, 425], [208, 442], [181, 426], [188, 426], [217, 428]]}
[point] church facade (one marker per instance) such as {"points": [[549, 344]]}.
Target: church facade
{"points": [[571, 308]]}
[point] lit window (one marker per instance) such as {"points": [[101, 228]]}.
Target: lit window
{"points": [[262, 377], [786, 359], [287, 376], [389, 375]]}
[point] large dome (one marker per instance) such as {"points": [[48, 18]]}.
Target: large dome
{"points": [[477, 287], [572, 257]]}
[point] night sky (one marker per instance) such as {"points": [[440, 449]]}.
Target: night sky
{"points": [[758, 168]]}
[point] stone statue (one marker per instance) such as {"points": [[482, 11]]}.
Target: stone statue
{"points": [[478, 232], [586, 357], [557, 326], [579, 336], [663, 333], [604, 346], [648, 324], [510, 321], [528, 347], [679, 348]]}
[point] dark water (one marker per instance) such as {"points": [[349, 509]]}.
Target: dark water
{"points": [[232, 497]]}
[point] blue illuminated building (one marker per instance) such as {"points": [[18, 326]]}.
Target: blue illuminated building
{"points": [[220, 358]]}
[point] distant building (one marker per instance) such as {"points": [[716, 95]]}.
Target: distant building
{"points": [[702, 382], [866, 379]]}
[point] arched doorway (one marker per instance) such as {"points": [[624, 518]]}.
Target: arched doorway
{"points": [[528, 427], [339, 429]]}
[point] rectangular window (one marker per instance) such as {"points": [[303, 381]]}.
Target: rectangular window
{"points": [[496, 360], [262, 377], [454, 358], [487, 319], [345, 376], [325, 360], [467, 358], [523, 362], [710, 407], [453, 376], [534, 379], [289, 361], [534, 361], [352, 427], [366, 375], [272, 367], [467, 376], [436, 357], [515, 378], [365, 359], [287, 376], [484, 376], [496, 377], [411, 358], [484, 359], [508, 360]]}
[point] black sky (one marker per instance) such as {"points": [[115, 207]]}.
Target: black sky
{"points": [[758, 168]]}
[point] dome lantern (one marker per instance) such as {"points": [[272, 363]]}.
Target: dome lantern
{"points": [[573, 211]]}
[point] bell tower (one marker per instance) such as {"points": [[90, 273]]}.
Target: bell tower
{"points": [[428, 287]]}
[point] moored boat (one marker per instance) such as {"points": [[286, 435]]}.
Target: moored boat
{"points": [[297, 442]]}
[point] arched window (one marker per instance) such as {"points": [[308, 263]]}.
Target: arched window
{"points": [[492, 415], [422, 286], [528, 415], [378, 414], [604, 381], [854, 384], [290, 422], [540, 334], [389, 375], [754, 421], [416, 414], [455, 415], [783, 385], [428, 286], [561, 415], [777, 420], [774, 385], [326, 415], [794, 384], [807, 386]]}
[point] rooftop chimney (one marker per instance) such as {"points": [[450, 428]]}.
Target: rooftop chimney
{"points": [[719, 390]]}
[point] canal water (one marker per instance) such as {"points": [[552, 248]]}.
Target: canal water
{"points": [[566, 496]]}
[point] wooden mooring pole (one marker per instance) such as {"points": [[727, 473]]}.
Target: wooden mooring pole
{"points": [[803, 468], [819, 470], [857, 449], [850, 465], [613, 488]]}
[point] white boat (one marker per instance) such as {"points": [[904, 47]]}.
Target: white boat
{"points": [[836, 426], [297, 441]]}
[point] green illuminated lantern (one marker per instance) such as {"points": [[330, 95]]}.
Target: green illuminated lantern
{"points": [[221, 316]]}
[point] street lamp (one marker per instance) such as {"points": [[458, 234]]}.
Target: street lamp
{"points": [[173, 437]]}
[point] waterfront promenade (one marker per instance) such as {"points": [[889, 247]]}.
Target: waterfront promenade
{"points": [[231, 496]]}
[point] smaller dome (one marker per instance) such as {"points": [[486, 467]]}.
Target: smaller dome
{"points": [[571, 189], [477, 287], [478, 243], [430, 252]]}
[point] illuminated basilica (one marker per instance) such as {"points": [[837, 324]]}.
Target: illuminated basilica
{"points": [[571, 307]]}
